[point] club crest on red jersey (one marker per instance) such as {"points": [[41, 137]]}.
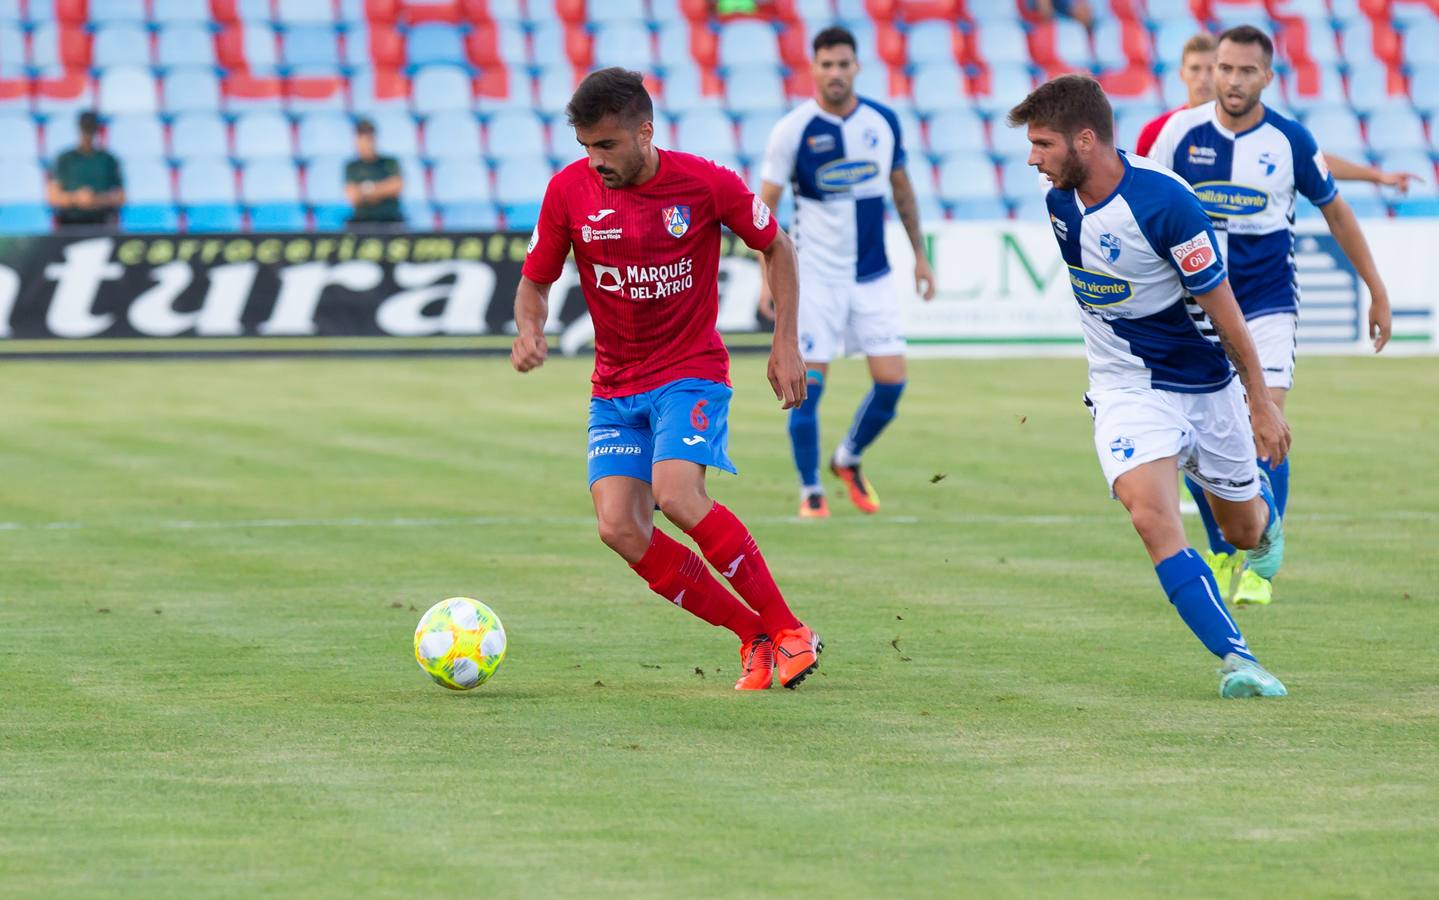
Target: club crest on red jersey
{"points": [[677, 220]]}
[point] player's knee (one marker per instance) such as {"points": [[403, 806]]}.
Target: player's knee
{"points": [[683, 504], [624, 535], [1246, 534], [1150, 521]]}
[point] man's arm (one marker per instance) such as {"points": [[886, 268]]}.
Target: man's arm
{"points": [[532, 307], [387, 188], [1345, 228], [770, 193], [57, 196], [908, 209], [1271, 432], [1344, 170], [786, 367]]}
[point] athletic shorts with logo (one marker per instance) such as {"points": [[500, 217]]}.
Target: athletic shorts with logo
{"points": [[684, 419], [838, 317], [1209, 433], [1276, 337]]}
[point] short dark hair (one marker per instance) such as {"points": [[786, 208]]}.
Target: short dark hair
{"points": [[1068, 104], [364, 126], [611, 92], [1248, 34], [89, 122], [834, 36]]}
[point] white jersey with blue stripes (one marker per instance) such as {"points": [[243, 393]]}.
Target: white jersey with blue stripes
{"points": [[1136, 259], [1248, 184], [839, 168]]}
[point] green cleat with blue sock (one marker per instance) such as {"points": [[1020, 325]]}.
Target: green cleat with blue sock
{"points": [[1266, 558], [1243, 677]]}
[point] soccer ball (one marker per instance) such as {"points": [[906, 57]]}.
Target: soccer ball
{"points": [[460, 643]]}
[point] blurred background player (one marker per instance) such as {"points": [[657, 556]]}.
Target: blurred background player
{"points": [[1145, 267], [1196, 70], [1251, 161], [644, 225], [840, 153], [373, 183], [85, 185]]}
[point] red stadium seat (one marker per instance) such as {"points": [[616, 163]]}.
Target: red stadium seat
{"points": [[72, 47], [224, 12], [14, 92], [386, 11], [495, 82], [72, 12], [482, 45], [579, 46], [1135, 81], [241, 85], [387, 48], [313, 88], [571, 12], [889, 43], [430, 11]]}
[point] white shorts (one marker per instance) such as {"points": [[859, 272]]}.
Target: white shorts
{"points": [[836, 318], [1209, 433], [1276, 336]]}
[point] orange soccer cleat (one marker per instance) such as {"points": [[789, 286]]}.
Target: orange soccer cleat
{"points": [[796, 655], [756, 659], [814, 507], [861, 492]]}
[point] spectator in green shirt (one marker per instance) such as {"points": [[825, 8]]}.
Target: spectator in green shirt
{"points": [[372, 182], [85, 186]]}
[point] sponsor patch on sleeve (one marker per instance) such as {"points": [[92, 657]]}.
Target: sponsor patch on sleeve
{"points": [[761, 214], [1194, 255], [1321, 164], [534, 239]]}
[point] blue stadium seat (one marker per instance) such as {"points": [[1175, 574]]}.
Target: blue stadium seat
{"points": [[520, 181], [12, 50], [1407, 14], [262, 54], [198, 135], [131, 136], [149, 218], [414, 175], [311, 46], [282, 217], [622, 43], [515, 49], [1019, 180], [1008, 84], [213, 218], [1330, 93], [434, 44], [663, 11], [556, 86], [1129, 121], [1396, 128], [515, 134], [1336, 130], [324, 134], [1008, 143], [206, 180], [470, 216], [562, 149], [1071, 44], [126, 89], [191, 90], [967, 176], [61, 133], [464, 181], [1031, 208], [452, 134], [911, 133], [24, 218], [101, 12], [325, 182], [873, 81], [1415, 162], [331, 217], [937, 87], [1321, 42], [356, 50], [1369, 88], [521, 216], [930, 42], [748, 43], [683, 91], [706, 132], [955, 131], [305, 12], [520, 92], [440, 88], [1420, 207], [1365, 200], [754, 89], [363, 98], [148, 183], [395, 133], [867, 50], [1232, 16], [22, 138], [1424, 89], [120, 44], [24, 182], [1002, 42], [180, 11], [921, 178], [1421, 38], [978, 209], [254, 10], [1356, 39], [673, 42], [1109, 45], [45, 49], [548, 41], [185, 45], [263, 134], [754, 132], [616, 11]]}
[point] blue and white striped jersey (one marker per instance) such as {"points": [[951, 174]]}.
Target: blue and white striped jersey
{"points": [[839, 169], [1247, 183], [1135, 261]]}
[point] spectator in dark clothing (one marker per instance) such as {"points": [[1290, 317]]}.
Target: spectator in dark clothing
{"points": [[85, 185], [373, 182]]}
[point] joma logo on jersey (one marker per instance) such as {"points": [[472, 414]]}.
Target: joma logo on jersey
{"points": [[1097, 288], [1225, 199], [843, 174], [1194, 255], [676, 219]]}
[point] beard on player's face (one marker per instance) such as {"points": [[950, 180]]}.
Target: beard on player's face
{"points": [[1070, 171]]}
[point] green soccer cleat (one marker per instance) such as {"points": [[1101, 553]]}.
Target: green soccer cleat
{"points": [[1226, 567], [1253, 589], [1243, 677], [1266, 558]]}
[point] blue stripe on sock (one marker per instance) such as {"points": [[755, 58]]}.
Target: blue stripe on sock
{"points": [[874, 414], [1195, 595]]}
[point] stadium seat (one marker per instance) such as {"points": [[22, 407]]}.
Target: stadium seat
{"points": [[1002, 42], [24, 218], [130, 136], [521, 216], [60, 134], [1421, 39], [683, 91], [1008, 84], [930, 42], [416, 180], [310, 46], [22, 138], [452, 134], [515, 134], [754, 132], [873, 81], [213, 218], [434, 44], [1365, 200], [754, 89], [330, 217], [149, 218], [55, 48], [255, 46], [921, 178], [324, 134], [103, 12], [938, 87], [1424, 89], [548, 42], [282, 217], [126, 89], [395, 133], [1337, 131], [470, 217], [197, 135], [1019, 180], [1370, 88], [555, 87], [748, 43], [439, 88], [190, 90], [1008, 143], [956, 131], [1071, 45], [1415, 162], [184, 45], [1130, 120], [148, 182], [324, 181], [12, 50], [463, 181], [176, 12], [1328, 91], [263, 135], [120, 44], [707, 133], [625, 44], [206, 180], [374, 90], [305, 12], [24, 182], [1396, 128], [967, 176], [520, 181]]}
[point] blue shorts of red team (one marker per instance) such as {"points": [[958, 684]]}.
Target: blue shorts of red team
{"points": [[684, 419]]}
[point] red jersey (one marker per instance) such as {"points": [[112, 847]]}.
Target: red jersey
{"points": [[1151, 129], [648, 260]]}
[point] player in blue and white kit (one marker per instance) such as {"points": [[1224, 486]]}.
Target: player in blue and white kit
{"points": [[1159, 321], [1247, 163], [841, 153]]}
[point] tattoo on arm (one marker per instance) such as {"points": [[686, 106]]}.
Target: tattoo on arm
{"points": [[1235, 357], [908, 209]]}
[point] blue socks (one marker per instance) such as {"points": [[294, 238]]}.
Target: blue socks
{"points": [[804, 431], [1217, 543], [874, 413], [1279, 479], [1195, 595]]}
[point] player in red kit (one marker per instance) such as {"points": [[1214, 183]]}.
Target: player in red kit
{"points": [[645, 225]]}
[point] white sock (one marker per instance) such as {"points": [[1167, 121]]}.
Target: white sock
{"points": [[843, 456], [807, 491]]}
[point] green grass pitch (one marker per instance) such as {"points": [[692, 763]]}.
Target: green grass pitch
{"points": [[212, 570]]}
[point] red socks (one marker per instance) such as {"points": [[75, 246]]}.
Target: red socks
{"points": [[673, 571], [730, 548]]}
